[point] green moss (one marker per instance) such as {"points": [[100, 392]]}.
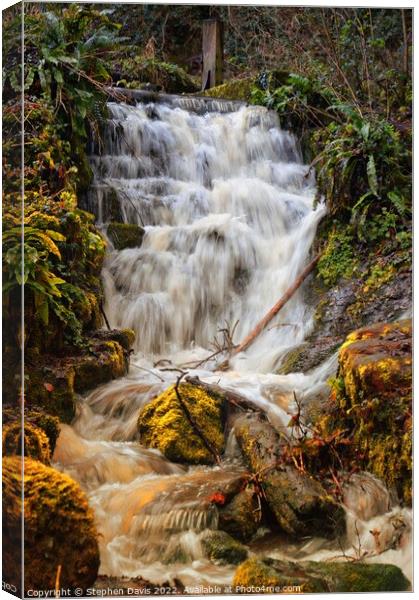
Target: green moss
{"points": [[374, 401], [59, 528], [235, 89], [35, 442], [223, 549], [312, 577], [338, 258], [125, 235], [162, 424]]}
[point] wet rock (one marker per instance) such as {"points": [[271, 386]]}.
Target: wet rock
{"points": [[124, 337], [235, 89], [223, 549], [314, 577], [50, 425], [54, 386], [35, 442], [299, 503], [350, 304], [59, 528], [163, 424], [373, 398], [125, 235], [242, 516]]}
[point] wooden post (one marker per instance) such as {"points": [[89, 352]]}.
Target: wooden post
{"points": [[212, 53]]}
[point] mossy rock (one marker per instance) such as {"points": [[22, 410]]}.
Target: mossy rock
{"points": [[124, 337], [241, 517], [49, 424], [35, 442], [299, 503], [223, 549], [125, 235], [163, 424], [59, 528], [107, 361], [50, 387], [373, 400], [317, 577], [234, 89]]}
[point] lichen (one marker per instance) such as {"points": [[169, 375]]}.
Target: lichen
{"points": [[59, 528], [163, 424]]}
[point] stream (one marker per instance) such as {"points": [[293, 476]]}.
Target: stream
{"points": [[226, 203]]}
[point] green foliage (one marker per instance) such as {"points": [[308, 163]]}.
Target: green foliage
{"points": [[135, 71]]}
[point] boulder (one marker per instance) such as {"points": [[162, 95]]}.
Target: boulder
{"points": [[315, 577], [163, 424], [242, 516], [50, 425], [372, 398], [299, 503], [223, 549], [59, 528], [125, 235], [36, 444]]}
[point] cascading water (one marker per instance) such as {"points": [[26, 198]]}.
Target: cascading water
{"points": [[226, 204]]}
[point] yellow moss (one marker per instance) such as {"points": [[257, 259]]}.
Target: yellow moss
{"points": [[36, 443], [59, 528], [162, 424], [254, 572], [235, 89]]}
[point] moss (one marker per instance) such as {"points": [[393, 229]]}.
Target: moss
{"points": [[59, 528], [125, 235], [124, 337], [49, 424], [338, 259], [374, 400], [235, 89], [107, 362], [162, 424], [35, 442], [51, 388], [241, 517], [319, 576], [223, 549]]}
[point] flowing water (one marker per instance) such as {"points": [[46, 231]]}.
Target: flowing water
{"points": [[227, 208]]}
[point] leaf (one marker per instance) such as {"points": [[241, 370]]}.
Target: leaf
{"points": [[49, 387], [372, 175]]}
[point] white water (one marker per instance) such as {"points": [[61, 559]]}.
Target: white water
{"points": [[227, 207]]}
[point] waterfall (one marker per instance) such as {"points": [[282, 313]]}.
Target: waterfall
{"points": [[227, 208]]}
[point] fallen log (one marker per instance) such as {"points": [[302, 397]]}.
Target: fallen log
{"points": [[271, 314]]}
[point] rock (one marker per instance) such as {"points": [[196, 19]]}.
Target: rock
{"points": [[50, 425], [314, 577], [54, 386], [162, 424], [106, 361], [300, 504], [36, 444], [234, 89], [373, 399], [125, 235], [124, 337], [351, 303], [242, 516], [59, 528], [223, 549]]}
